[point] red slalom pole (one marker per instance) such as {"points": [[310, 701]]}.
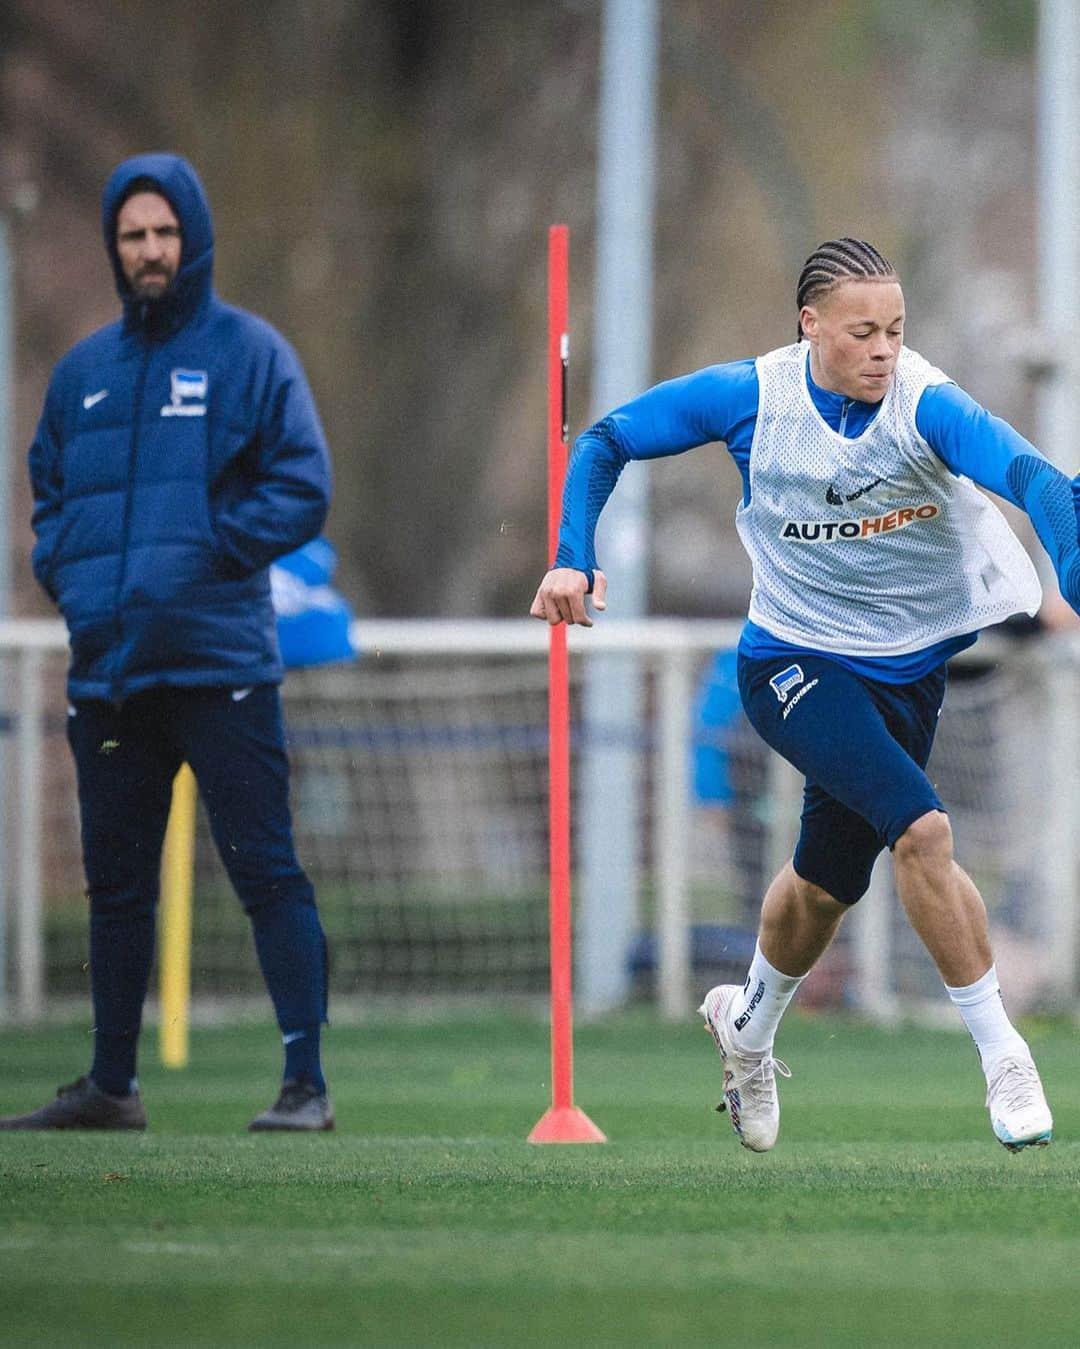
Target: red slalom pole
{"points": [[563, 1122]]}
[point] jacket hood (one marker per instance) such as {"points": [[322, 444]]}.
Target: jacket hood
{"points": [[179, 184]]}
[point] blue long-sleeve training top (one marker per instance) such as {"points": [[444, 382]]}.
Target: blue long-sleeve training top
{"points": [[720, 403]]}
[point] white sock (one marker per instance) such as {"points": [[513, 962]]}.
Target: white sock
{"points": [[765, 996], [987, 1021]]}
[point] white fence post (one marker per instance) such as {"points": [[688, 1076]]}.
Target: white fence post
{"points": [[872, 946], [29, 944], [785, 794], [672, 834], [1058, 745]]}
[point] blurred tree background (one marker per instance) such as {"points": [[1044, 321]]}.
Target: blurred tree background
{"points": [[382, 174]]}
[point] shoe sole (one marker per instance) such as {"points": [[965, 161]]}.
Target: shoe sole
{"points": [[1019, 1144], [326, 1127], [73, 1128], [289, 1129]]}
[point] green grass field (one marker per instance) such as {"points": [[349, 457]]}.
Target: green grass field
{"points": [[887, 1215]]}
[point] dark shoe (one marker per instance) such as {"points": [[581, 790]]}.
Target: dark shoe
{"points": [[83, 1105], [299, 1107]]}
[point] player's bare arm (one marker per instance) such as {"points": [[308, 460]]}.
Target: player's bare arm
{"points": [[561, 596]]}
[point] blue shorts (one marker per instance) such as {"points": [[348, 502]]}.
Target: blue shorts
{"points": [[862, 747]]}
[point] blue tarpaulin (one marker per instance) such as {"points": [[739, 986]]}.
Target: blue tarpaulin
{"points": [[313, 619]]}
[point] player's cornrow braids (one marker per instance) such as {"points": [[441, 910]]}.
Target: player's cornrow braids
{"points": [[835, 261]]}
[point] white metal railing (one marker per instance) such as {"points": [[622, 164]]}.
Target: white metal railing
{"points": [[27, 641], [670, 647]]}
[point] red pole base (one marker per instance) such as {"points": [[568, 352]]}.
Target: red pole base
{"points": [[566, 1124]]}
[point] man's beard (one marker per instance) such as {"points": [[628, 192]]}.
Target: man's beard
{"points": [[152, 285]]}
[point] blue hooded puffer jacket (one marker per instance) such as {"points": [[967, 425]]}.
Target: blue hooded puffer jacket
{"points": [[179, 454]]}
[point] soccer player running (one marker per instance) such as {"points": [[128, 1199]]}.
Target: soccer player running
{"points": [[179, 454], [875, 560]]}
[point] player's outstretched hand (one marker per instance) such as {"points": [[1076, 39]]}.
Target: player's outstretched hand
{"points": [[561, 597]]}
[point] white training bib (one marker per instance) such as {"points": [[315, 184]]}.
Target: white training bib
{"points": [[871, 546]]}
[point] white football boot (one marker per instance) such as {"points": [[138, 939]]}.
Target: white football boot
{"points": [[749, 1078], [1018, 1111]]}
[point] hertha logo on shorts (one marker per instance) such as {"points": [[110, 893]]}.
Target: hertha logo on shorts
{"points": [[788, 679]]}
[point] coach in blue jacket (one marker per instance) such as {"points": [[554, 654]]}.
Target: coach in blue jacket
{"points": [[178, 455]]}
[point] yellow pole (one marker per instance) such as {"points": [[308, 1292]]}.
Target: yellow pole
{"points": [[177, 883]]}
